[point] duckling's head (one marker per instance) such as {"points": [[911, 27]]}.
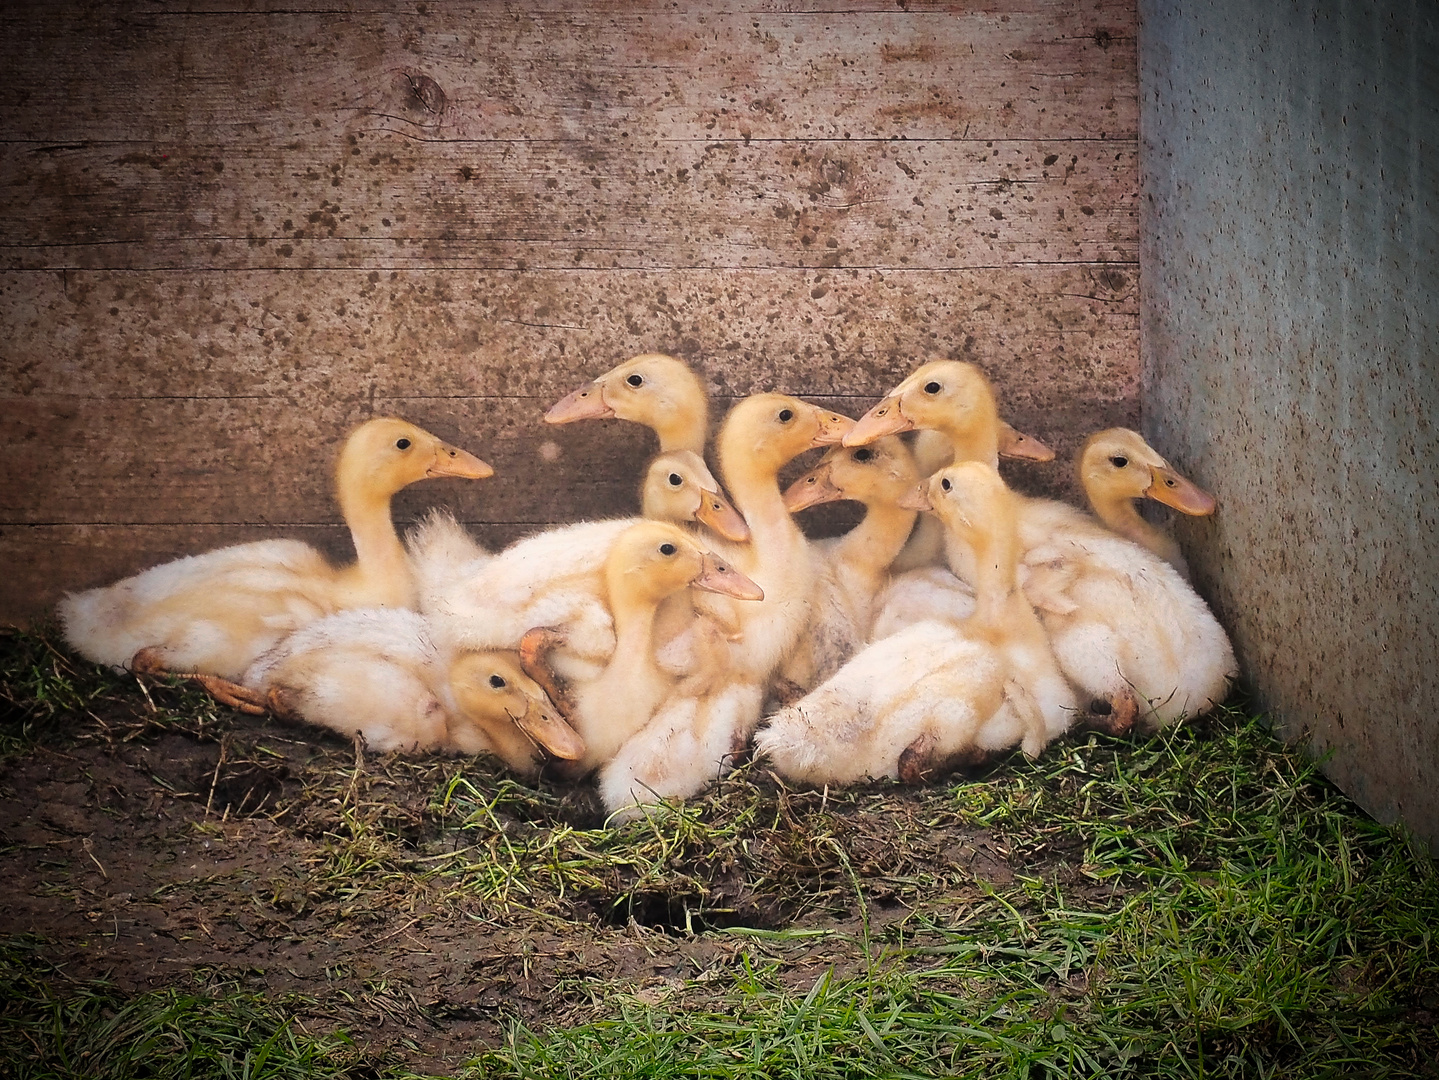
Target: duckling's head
{"points": [[1119, 464], [764, 431], [883, 471], [653, 389], [654, 559], [502, 709], [382, 456], [970, 498], [679, 487], [943, 395]]}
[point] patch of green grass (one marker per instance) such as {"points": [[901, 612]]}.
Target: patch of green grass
{"points": [[53, 1029]]}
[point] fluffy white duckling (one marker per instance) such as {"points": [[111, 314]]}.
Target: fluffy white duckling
{"points": [[652, 389], [555, 579], [211, 615], [937, 694], [649, 563], [851, 569], [378, 672], [951, 404]]}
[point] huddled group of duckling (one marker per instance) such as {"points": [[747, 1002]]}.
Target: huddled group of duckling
{"points": [[653, 650]]}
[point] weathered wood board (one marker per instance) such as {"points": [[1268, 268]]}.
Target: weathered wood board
{"points": [[254, 228]]}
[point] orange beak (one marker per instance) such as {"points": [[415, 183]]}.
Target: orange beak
{"points": [[546, 728], [717, 512], [812, 489], [586, 403], [452, 461], [884, 419], [917, 499], [1168, 487], [832, 429], [722, 578], [1021, 447]]}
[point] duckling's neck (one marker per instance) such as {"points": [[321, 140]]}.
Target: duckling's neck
{"points": [[754, 488], [876, 541], [975, 441], [995, 577], [684, 428], [1120, 515], [381, 575]]}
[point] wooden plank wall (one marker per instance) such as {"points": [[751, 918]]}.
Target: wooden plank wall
{"points": [[228, 232]]}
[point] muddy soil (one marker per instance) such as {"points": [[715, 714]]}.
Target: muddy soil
{"points": [[231, 850]]}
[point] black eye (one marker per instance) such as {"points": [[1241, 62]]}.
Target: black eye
{"points": [[636, 380], [403, 444], [676, 479], [944, 484], [1119, 461], [931, 388], [785, 416], [864, 453], [667, 549], [497, 682]]}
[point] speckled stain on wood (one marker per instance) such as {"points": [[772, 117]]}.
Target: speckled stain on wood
{"points": [[283, 223]]}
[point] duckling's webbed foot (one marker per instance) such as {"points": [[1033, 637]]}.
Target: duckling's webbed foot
{"points": [[232, 694], [150, 661], [1114, 715], [534, 648], [284, 704]]}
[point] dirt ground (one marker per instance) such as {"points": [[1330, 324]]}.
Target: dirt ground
{"points": [[154, 840]]}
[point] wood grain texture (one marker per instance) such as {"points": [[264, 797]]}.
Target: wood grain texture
{"points": [[255, 227], [392, 202]]}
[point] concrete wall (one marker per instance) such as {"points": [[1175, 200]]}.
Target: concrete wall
{"points": [[1290, 357]]}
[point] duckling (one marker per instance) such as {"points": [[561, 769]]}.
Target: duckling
{"points": [[851, 569], [939, 693], [378, 672], [647, 564], [652, 389], [1115, 468], [209, 616], [556, 577], [952, 404]]}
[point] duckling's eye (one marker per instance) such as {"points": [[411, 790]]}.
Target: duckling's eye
{"points": [[497, 682], [785, 416], [636, 380], [864, 453], [676, 479], [403, 444], [1119, 461], [667, 549], [945, 484], [931, 388]]}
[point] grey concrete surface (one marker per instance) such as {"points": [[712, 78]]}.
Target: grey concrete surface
{"points": [[1290, 353]]}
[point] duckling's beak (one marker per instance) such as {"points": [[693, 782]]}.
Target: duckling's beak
{"points": [[716, 576], [832, 429], [916, 499], [1168, 487], [884, 419], [1021, 447], [546, 728], [811, 489], [452, 461], [716, 512], [586, 403]]}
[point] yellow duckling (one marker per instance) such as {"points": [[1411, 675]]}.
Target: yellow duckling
{"points": [[377, 672], [652, 389], [952, 405], [1116, 467], [211, 615], [939, 693], [851, 569]]}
